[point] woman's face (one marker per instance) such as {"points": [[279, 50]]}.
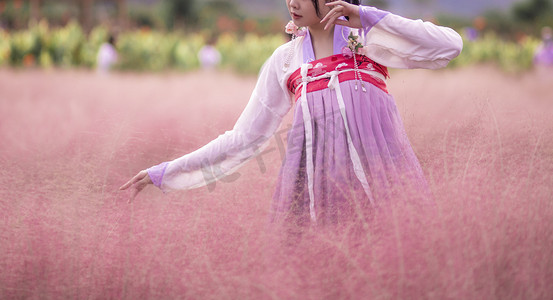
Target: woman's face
{"points": [[303, 12]]}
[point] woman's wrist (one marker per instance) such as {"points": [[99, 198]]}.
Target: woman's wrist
{"points": [[156, 173]]}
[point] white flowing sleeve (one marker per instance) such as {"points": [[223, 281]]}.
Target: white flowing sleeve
{"points": [[398, 42], [268, 104]]}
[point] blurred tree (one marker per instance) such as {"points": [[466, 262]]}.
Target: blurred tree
{"points": [[531, 10], [86, 14], [122, 12], [180, 13], [34, 11], [530, 16], [499, 22], [216, 13], [143, 17]]}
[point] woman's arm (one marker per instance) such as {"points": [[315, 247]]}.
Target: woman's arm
{"points": [[398, 42], [262, 116]]}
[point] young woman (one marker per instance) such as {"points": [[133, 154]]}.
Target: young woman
{"points": [[347, 149]]}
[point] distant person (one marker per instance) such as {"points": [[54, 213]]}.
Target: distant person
{"points": [[544, 52], [107, 56], [209, 56]]}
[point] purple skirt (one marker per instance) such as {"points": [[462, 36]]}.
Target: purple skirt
{"points": [[391, 168]]}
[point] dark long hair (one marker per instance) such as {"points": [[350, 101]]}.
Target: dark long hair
{"points": [[316, 4]]}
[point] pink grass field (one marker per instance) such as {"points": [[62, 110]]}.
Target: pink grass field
{"points": [[70, 138]]}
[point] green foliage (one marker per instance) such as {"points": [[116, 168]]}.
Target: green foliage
{"points": [[65, 45], [141, 17], [523, 18], [22, 44], [151, 50], [146, 50], [4, 48], [247, 55], [509, 56], [186, 52], [91, 45], [42, 51]]}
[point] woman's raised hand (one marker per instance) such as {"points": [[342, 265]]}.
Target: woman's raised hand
{"points": [[342, 9], [138, 183]]}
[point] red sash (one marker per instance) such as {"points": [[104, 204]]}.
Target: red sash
{"points": [[338, 62]]}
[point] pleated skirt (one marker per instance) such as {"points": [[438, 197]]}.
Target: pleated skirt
{"points": [[390, 166]]}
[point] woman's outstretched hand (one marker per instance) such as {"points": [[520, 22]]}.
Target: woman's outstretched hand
{"points": [[138, 183], [342, 9]]}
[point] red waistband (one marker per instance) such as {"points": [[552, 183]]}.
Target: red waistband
{"points": [[336, 63]]}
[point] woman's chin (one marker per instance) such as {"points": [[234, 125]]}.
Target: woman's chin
{"points": [[298, 22]]}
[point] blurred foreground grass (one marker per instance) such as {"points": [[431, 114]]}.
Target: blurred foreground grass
{"points": [[149, 50]]}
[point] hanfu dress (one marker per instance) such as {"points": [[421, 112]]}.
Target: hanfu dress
{"points": [[347, 150]]}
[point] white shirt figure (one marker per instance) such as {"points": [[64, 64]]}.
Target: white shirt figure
{"points": [[107, 57], [209, 57], [543, 56]]}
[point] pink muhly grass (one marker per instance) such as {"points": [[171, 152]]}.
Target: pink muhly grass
{"points": [[71, 138]]}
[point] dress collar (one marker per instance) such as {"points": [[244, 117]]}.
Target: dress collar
{"points": [[340, 35]]}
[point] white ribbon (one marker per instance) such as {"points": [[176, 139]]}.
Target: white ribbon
{"points": [[308, 139], [334, 84]]}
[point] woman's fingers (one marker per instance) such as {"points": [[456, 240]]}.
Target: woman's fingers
{"points": [[134, 180], [126, 185], [342, 9], [138, 186], [333, 14], [336, 3], [339, 8], [332, 18]]}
